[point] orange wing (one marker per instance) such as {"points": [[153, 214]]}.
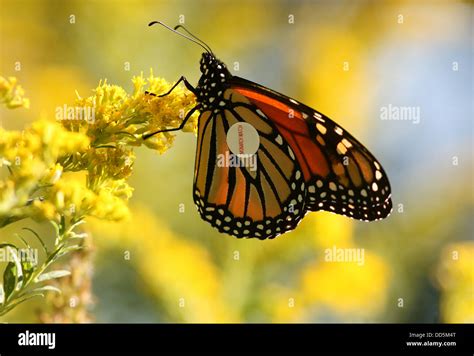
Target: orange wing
{"points": [[341, 175], [262, 200]]}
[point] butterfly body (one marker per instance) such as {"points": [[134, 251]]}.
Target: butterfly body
{"points": [[214, 80], [305, 161]]}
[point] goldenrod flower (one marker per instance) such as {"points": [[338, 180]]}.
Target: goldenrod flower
{"points": [[102, 148], [12, 94], [66, 171], [121, 118], [31, 158]]}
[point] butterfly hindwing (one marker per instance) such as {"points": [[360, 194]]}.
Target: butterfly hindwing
{"points": [[260, 201]]}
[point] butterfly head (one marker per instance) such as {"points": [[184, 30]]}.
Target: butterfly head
{"points": [[210, 64], [206, 60], [214, 80]]}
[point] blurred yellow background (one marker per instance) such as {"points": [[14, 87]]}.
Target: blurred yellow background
{"points": [[347, 59]]}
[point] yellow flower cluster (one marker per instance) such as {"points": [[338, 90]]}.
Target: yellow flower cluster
{"points": [[120, 119], [71, 197], [76, 167], [11, 94], [31, 159], [455, 277], [79, 166]]}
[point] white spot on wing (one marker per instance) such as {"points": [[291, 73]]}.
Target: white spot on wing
{"points": [[290, 152], [321, 128], [378, 175], [318, 116], [346, 143], [341, 149]]}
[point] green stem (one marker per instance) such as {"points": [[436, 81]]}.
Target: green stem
{"points": [[62, 237]]}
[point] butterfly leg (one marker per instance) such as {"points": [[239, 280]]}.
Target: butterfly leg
{"points": [[180, 127], [182, 79]]}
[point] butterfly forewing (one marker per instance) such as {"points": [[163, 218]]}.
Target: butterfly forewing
{"points": [[356, 184], [341, 175]]}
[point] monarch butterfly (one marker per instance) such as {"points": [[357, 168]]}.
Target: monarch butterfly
{"points": [[306, 162]]}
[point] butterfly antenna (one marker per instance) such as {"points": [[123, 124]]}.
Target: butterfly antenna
{"points": [[179, 33], [193, 36]]}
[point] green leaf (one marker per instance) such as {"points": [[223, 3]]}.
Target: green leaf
{"points": [[2, 295], [74, 235], [22, 240], [38, 237], [62, 226], [52, 275], [66, 250], [19, 268], [56, 228], [13, 274], [28, 269], [9, 279], [43, 289], [76, 224], [53, 256], [27, 264], [6, 245]]}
